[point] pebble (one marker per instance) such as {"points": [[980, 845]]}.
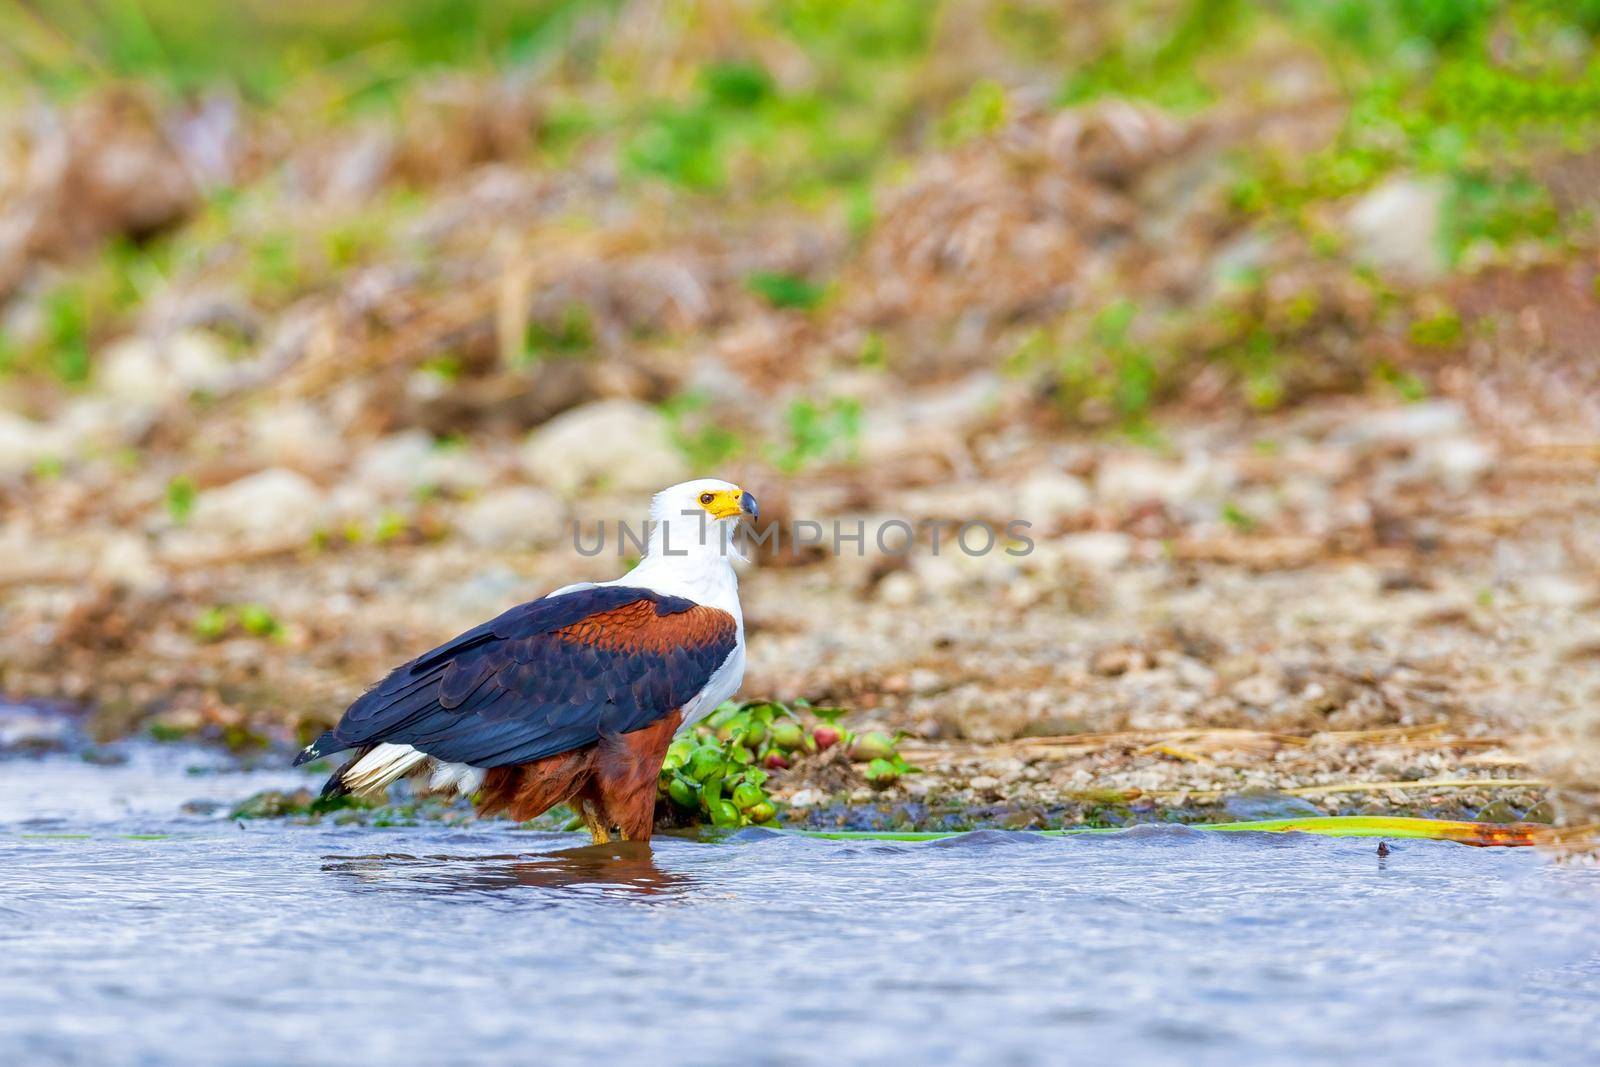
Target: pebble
{"points": [[513, 517], [145, 370], [1258, 690], [1096, 550], [275, 504], [404, 462], [808, 798], [1455, 464], [1048, 497], [23, 443], [1405, 425], [1134, 478], [622, 445], [1395, 228]]}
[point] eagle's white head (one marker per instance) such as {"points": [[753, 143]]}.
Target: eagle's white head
{"points": [[698, 519], [691, 546]]}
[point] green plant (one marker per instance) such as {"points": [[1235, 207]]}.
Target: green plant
{"points": [[570, 336], [1442, 330], [1163, 65], [66, 313], [181, 494], [212, 624], [786, 290], [257, 621], [1112, 374], [981, 111], [718, 773], [819, 432], [221, 620], [1238, 518], [704, 440]]}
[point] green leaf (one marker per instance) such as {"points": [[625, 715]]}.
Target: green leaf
{"points": [[785, 290]]}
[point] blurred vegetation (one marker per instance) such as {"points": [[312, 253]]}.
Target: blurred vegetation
{"points": [[265, 48], [822, 107]]}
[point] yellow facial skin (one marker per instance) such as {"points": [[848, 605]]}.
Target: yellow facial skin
{"points": [[723, 503]]}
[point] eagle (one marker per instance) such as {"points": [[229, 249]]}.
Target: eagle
{"points": [[574, 697]]}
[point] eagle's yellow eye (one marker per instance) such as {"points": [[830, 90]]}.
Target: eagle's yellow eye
{"points": [[707, 498]]}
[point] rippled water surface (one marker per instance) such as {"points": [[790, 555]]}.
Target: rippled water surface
{"points": [[133, 934]]}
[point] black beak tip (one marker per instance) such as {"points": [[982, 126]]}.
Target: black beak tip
{"points": [[747, 504]]}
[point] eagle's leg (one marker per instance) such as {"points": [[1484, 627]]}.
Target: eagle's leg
{"points": [[626, 770], [594, 818]]}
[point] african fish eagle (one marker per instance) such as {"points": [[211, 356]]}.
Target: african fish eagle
{"points": [[575, 696]]}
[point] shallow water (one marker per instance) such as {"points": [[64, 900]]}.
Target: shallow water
{"points": [[273, 943]]}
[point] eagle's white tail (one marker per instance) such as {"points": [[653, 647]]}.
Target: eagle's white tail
{"points": [[377, 769]]}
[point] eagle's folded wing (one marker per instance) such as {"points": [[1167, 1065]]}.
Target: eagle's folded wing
{"points": [[545, 677]]}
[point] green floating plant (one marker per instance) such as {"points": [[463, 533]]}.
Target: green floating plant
{"points": [[719, 772], [1392, 827]]}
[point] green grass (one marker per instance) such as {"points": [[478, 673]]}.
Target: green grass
{"points": [[823, 107], [818, 433], [263, 47]]}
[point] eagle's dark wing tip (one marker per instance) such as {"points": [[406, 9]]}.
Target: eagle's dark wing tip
{"points": [[317, 749], [334, 786]]}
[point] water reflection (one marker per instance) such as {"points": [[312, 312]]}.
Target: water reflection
{"points": [[624, 868]]}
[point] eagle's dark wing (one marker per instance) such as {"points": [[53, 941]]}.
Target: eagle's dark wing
{"points": [[546, 677]]}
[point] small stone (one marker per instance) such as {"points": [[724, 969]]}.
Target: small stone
{"points": [[1406, 425], [808, 798], [23, 443], [1047, 498], [620, 445], [390, 464], [1456, 464], [405, 462], [1396, 228], [1095, 550], [1137, 478], [512, 518], [1258, 690], [125, 559], [984, 783], [295, 433], [145, 370], [899, 588], [277, 504]]}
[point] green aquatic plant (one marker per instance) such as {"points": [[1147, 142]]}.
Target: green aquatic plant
{"points": [[718, 773]]}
